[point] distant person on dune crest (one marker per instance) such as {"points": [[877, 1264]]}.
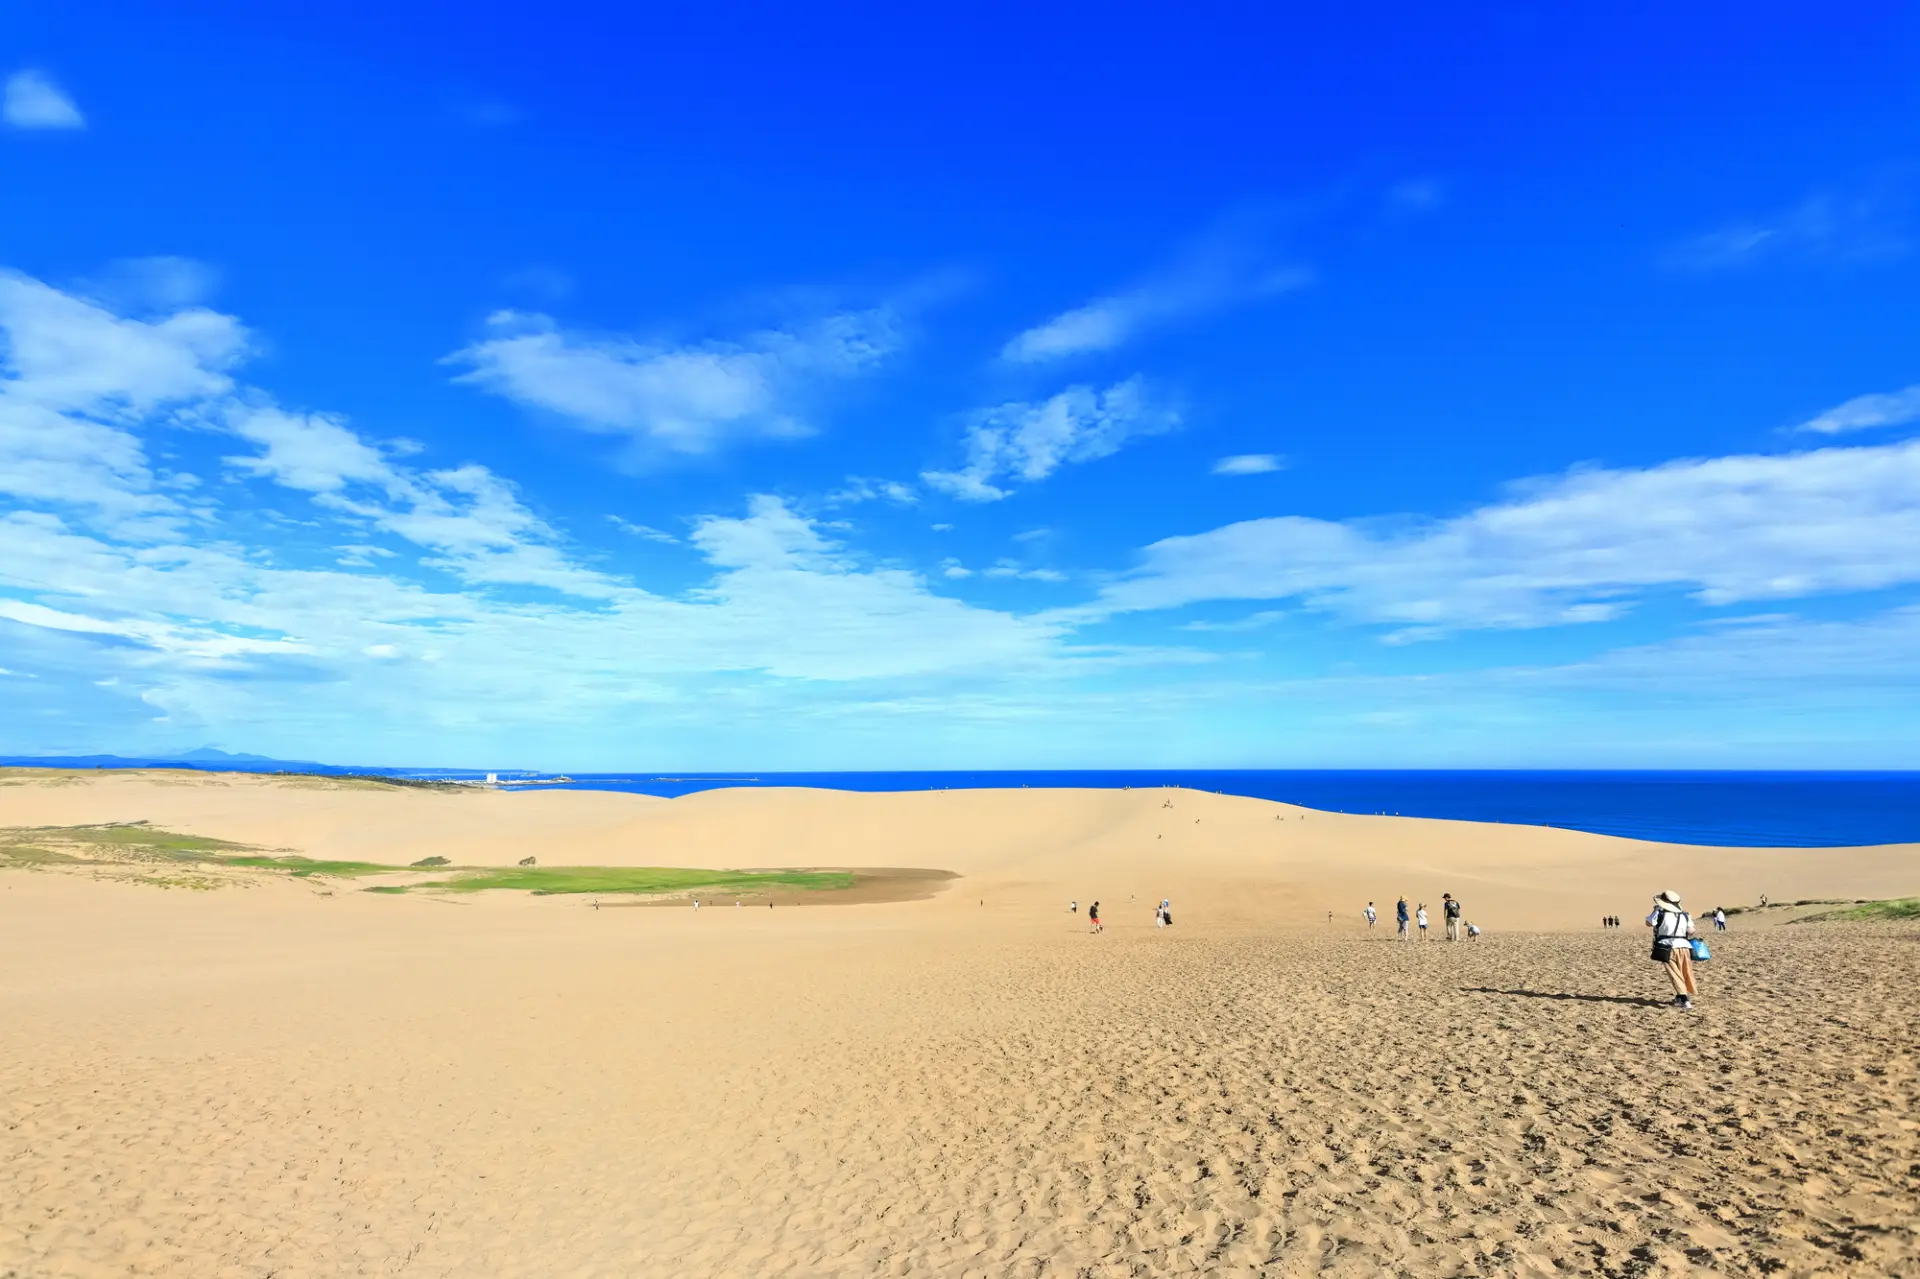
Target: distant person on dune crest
{"points": [[1093, 916], [1400, 917], [1450, 911], [1421, 916], [1719, 919], [1370, 914], [1672, 938]]}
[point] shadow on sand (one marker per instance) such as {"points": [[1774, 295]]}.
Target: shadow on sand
{"points": [[1637, 1001]]}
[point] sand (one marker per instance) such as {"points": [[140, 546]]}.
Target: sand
{"points": [[265, 1081]]}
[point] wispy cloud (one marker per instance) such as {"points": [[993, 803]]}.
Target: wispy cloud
{"points": [[1221, 270], [33, 101], [1893, 408], [1015, 569], [163, 283], [1249, 464], [861, 488], [1867, 224], [1252, 622], [673, 399], [642, 531], [1026, 441], [1582, 547]]}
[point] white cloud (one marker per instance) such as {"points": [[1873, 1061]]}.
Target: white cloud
{"points": [[63, 352], [361, 555], [673, 399], [34, 101], [308, 451], [1013, 569], [1248, 464], [1893, 408], [1582, 547], [208, 627], [410, 633], [860, 488], [643, 531], [1219, 271], [1252, 622], [74, 378], [1026, 442], [1866, 224]]}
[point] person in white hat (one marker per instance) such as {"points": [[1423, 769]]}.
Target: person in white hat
{"points": [[1672, 933]]}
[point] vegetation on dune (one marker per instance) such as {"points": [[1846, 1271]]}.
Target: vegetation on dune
{"points": [[544, 880], [1893, 908], [302, 867], [137, 851]]}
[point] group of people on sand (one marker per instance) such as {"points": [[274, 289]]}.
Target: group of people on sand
{"points": [[1162, 914], [1451, 914]]}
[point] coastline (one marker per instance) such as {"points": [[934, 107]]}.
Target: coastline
{"points": [[1226, 858]]}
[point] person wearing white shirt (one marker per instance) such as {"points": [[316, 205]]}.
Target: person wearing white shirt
{"points": [[1672, 945]]}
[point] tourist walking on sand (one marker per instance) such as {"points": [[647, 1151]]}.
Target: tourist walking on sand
{"points": [[1672, 935], [1420, 917], [1719, 919], [1450, 912], [1371, 916], [1400, 916], [1093, 916]]}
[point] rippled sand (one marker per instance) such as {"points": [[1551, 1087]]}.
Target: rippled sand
{"points": [[265, 1081], [261, 1088]]}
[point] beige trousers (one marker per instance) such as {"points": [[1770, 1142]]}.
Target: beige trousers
{"points": [[1453, 930], [1680, 969]]}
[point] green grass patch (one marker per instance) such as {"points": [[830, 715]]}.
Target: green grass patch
{"points": [[302, 867], [1894, 908], [138, 837], [545, 880], [137, 848]]}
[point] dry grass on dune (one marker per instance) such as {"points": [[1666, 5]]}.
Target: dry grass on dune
{"points": [[291, 1090]]}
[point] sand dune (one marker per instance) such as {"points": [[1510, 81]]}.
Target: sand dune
{"points": [[262, 1081], [1225, 857]]}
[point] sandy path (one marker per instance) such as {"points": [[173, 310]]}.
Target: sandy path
{"points": [[257, 1083]]}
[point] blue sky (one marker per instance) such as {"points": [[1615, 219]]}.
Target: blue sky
{"points": [[1029, 386]]}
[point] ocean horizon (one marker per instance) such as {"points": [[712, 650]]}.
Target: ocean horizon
{"points": [[1747, 808]]}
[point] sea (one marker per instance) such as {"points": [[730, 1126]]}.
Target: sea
{"points": [[1738, 809]]}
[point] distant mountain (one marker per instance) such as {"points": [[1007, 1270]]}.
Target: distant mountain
{"points": [[204, 757]]}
